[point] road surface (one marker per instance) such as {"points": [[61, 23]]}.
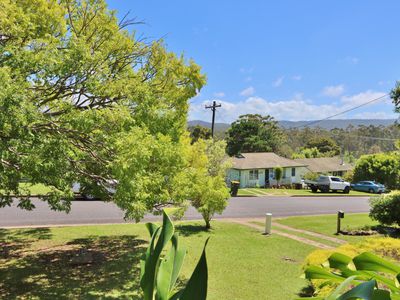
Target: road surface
{"points": [[97, 212]]}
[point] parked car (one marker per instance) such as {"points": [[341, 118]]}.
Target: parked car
{"points": [[328, 183], [369, 186], [76, 188]]}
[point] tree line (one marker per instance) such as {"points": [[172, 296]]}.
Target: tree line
{"points": [[256, 133]]}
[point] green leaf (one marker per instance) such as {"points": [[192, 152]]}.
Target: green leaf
{"points": [[196, 288], [169, 269], [344, 285], [363, 291], [370, 262], [148, 279], [314, 272], [179, 256], [151, 228], [381, 295], [339, 261]]}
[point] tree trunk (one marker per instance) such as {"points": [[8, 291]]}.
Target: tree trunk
{"points": [[208, 225]]}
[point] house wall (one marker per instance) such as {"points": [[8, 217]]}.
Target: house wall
{"points": [[244, 177], [245, 180]]}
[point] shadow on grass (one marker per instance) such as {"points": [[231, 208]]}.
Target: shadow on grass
{"points": [[109, 269], [13, 242], [188, 230]]}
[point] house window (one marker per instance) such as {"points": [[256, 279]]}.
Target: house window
{"points": [[293, 172], [253, 175]]}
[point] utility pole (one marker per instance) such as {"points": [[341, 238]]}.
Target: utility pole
{"points": [[213, 108]]}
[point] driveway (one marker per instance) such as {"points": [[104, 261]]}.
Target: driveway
{"points": [[97, 212]]}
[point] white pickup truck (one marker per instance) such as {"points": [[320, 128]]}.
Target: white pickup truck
{"points": [[328, 183]]}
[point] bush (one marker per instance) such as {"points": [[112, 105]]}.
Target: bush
{"points": [[311, 176], [381, 167], [386, 208], [386, 247]]}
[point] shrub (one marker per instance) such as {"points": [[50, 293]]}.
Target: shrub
{"points": [[386, 208], [278, 174], [348, 176], [365, 276], [381, 167], [386, 247], [311, 176]]}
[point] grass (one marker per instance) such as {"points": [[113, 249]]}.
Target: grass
{"points": [[326, 224], [293, 192], [243, 264]]}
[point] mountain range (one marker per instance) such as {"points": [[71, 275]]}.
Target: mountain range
{"points": [[326, 124]]}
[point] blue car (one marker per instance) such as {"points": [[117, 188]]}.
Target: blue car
{"points": [[368, 186]]}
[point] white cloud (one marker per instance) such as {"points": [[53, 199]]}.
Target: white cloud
{"points": [[219, 94], [333, 90], [295, 109], [248, 92], [297, 77], [278, 82], [376, 115], [361, 98], [248, 78]]}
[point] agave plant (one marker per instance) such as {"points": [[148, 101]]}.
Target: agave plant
{"points": [[366, 276], [162, 263]]}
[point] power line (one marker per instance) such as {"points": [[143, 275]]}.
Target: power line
{"points": [[341, 113]]}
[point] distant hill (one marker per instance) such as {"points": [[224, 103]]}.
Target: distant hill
{"points": [[218, 126], [326, 124]]}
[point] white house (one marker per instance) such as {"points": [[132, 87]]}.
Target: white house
{"points": [[257, 169]]}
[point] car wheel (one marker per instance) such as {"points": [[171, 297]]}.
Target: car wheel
{"points": [[325, 190], [371, 191], [314, 190], [346, 190]]}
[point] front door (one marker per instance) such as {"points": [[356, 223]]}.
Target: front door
{"points": [[266, 177]]}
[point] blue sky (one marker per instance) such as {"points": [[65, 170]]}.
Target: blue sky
{"points": [[294, 60]]}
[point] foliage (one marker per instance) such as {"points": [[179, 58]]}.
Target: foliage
{"points": [[77, 88], [307, 153], [254, 133], [353, 139], [381, 167], [160, 267], [386, 247], [386, 208], [325, 145], [311, 176], [395, 95], [278, 171], [365, 276], [199, 132], [209, 193], [349, 176]]}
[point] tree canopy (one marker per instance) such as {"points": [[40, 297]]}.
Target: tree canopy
{"points": [[83, 99], [199, 132], [254, 133]]}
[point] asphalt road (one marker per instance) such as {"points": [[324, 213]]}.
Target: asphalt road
{"points": [[97, 212]]}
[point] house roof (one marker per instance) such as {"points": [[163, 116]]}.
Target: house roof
{"points": [[324, 164], [262, 160]]}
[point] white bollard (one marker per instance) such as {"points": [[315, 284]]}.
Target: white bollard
{"points": [[268, 223]]}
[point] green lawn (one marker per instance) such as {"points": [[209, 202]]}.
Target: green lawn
{"points": [[326, 224], [293, 192], [243, 264]]}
